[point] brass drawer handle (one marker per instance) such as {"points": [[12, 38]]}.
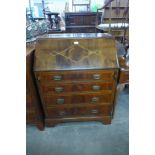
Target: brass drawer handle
{"points": [[60, 101], [96, 76], [96, 87], [62, 113], [95, 99], [59, 89], [94, 111], [57, 77]]}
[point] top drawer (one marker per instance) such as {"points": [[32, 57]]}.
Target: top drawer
{"points": [[76, 75]]}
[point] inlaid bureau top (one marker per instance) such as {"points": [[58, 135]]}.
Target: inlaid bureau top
{"points": [[75, 52]]}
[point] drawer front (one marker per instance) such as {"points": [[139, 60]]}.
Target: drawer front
{"points": [[77, 99], [76, 75], [76, 87], [78, 111]]}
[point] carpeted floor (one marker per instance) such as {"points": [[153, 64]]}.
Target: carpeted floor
{"points": [[85, 138]]}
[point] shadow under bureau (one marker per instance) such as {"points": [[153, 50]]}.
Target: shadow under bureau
{"points": [[77, 76]]}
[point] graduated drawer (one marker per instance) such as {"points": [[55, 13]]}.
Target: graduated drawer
{"points": [[76, 87], [78, 111], [91, 98], [76, 75]]}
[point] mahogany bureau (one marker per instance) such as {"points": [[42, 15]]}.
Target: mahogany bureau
{"points": [[77, 77]]}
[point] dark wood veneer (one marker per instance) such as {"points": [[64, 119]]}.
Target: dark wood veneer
{"points": [[77, 77], [81, 22]]}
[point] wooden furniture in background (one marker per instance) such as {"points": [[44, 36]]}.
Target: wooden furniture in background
{"points": [[81, 22], [34, 112], [77, 76], [115, 12], [124, 71]]}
